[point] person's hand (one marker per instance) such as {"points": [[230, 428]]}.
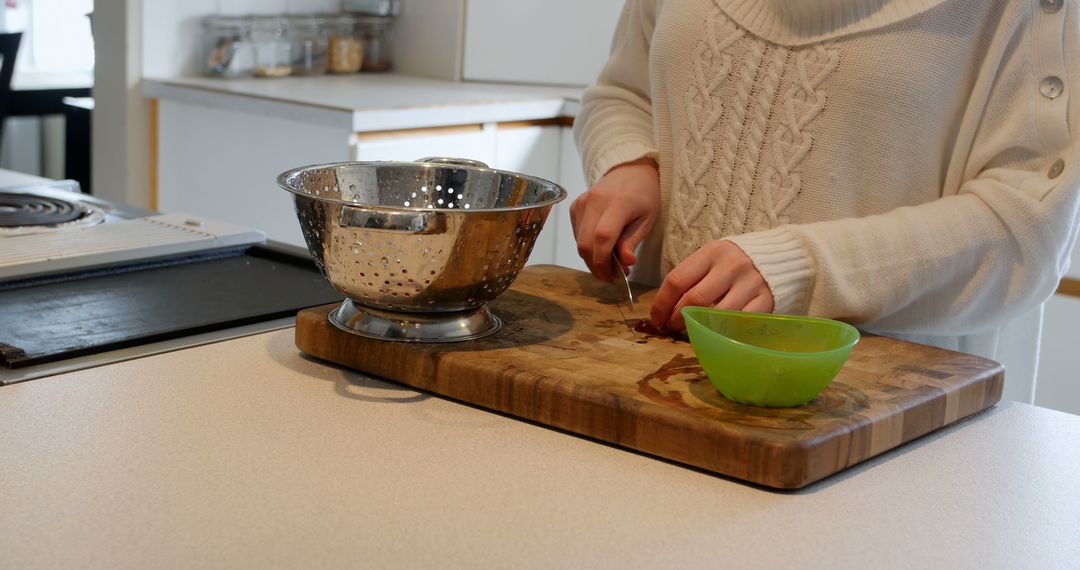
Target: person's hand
{"points": [[718, 275], [617, 212]]}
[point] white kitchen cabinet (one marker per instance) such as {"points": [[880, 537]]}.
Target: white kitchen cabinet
{"points": [[1058, 383], [534, 150], [557, 42], [476, 142], [528, 148], [572, 177], [222, 164]]}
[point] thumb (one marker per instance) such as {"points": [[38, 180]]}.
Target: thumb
{"points": [[632, 236]]}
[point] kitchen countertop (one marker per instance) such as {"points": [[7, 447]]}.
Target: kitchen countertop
{"points": [[246, 454], [372, 102]]}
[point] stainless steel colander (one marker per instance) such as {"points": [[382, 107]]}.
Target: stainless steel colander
{"points": [[419, 247]]}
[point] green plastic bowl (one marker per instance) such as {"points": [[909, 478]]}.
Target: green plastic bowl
{"points": [[768, 360]]}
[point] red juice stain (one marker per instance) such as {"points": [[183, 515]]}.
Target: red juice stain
{"points": [[646, 327]]}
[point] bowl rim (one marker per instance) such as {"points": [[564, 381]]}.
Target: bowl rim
{"points": [[688, 315], [283, 183]]}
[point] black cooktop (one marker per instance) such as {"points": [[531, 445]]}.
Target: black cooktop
{"points": [[61, 317]]}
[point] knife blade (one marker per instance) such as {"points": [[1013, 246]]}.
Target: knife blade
{"points": [[624, 287]]}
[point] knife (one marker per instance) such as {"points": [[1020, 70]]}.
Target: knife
{"points": [[624, 288]]}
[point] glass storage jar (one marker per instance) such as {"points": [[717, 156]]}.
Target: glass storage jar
{"points": [[310, 41], [346, 50], [376, 32], [225, 49], [273, 48]]}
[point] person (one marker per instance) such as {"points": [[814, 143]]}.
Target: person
{"points": [[908, 166]]}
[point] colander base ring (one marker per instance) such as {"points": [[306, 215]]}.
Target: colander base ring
{"points": [[352, 317]]}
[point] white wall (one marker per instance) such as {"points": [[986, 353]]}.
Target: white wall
{"points": [[120, 128], [20, 149], [560, 42], [428, 38]]}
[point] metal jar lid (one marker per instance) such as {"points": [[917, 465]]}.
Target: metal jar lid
{"points": [[372, 7]]}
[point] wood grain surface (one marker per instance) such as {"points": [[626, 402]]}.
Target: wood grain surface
{"points": [[568, 357]]}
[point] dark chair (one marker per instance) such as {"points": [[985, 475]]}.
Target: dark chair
{"points": [[9, 49]]}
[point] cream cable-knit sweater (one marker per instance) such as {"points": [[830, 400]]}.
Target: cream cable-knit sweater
{"points": [[906, 165]]}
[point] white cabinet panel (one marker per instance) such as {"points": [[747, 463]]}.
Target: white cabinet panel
{"points": [[466, 142], [572, 178], [1074, 264], [222, 165], [528, 150], [1058, 384], [534, 151], [560, 42]]}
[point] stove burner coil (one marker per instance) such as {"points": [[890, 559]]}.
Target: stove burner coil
{"points": [[28, 210]]}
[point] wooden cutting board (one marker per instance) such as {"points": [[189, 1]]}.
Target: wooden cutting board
{"points": [[567, 357]]}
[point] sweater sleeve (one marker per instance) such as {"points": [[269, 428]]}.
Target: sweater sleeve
{"points": [[615, 122], [976, 257]]}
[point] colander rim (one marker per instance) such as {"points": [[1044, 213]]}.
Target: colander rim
{"points": [[283, 178]]}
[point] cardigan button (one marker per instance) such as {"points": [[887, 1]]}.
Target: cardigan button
{"points": [[1051, 87], [1056, 168], [1051, 6]]}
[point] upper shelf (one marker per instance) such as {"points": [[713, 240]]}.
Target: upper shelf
{"points": [[372, 102]]}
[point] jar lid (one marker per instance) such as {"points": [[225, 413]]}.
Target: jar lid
{"points": [[372, 7], [354, 19], [376, 22], [269, 23], [307, 21], [226, 22]]}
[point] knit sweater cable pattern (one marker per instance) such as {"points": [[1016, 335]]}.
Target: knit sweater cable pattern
{"points": [[748, 107]]}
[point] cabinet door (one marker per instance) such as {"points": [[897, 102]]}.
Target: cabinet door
{"points": [[1057, 386], [560, 42], [222, 164], [476, 142], [572, 178], [534, 150]]}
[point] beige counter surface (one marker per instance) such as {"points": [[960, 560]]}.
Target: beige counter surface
{"points": [[244, 454]]}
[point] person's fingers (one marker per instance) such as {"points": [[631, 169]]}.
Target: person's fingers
{"points": [[634, 233], [608, 228], [574, 207], [618, 265], [761, 304], [586, 217], [620, 206], [677, 283], [739, 296], [714, 285]]}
